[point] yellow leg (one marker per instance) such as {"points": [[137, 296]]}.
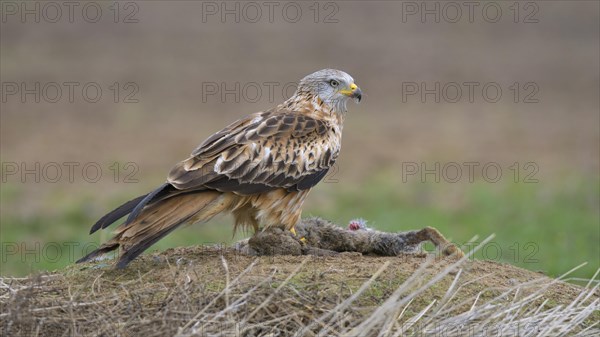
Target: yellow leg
{"points": [[293, 230]]}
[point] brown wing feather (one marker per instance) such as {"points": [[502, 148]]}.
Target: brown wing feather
{"points": [[260, 153]]}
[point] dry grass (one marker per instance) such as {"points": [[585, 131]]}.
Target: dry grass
{"points": [[218, 292]]}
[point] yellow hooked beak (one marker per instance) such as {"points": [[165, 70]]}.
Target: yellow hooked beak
{"points": [[352, 91]]}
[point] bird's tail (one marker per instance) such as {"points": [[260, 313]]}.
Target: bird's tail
{"points": [[159, 219]]}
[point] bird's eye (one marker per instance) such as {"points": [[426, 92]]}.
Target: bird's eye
{"points": [[334, 83]]}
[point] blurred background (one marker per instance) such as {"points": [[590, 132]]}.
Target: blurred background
{"points": [[475, 120]]}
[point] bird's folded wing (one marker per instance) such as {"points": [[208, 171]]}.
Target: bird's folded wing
{"points": [[260, 153]]}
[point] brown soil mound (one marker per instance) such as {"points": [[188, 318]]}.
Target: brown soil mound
{"points": [[202, 291]]}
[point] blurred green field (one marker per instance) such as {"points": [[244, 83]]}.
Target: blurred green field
{"points": [[541, 227]]}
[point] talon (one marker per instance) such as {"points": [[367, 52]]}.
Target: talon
{"points": [[303, 240], [293, 230]]}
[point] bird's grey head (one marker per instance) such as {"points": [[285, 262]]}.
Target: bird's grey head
{"points": [[334, 87]]}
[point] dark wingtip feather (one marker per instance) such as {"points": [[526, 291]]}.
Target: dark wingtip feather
{"points": [[124, 260], [148, 198], [116, 214], [105, 248], [131, 253]]}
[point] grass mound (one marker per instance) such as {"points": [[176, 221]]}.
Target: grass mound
{"points": [[201, 291]]}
